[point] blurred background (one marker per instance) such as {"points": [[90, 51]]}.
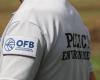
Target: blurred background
{"points": [[89, 11]]}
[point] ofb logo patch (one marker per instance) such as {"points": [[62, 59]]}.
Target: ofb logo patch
{"points": [[9, 44], [20, 46]]}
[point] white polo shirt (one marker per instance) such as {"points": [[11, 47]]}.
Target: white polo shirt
{"points": [[0, 44], [45, 40]]}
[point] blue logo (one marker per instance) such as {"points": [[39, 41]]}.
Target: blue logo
{"points": [[9, 44], [19, 45], [25, 44]]}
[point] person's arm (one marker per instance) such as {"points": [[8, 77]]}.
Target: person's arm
{"points": [[22, 52], [17, 68]]}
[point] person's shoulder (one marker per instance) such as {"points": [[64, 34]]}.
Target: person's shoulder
{"points": [[32, 11], [23, 14]]}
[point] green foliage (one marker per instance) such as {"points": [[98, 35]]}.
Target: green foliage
{"points": [[96, 64]]}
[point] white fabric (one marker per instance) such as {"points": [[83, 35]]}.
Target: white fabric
{"points": [[7, 79], [22, 43], [0, 44], [62, 43]]}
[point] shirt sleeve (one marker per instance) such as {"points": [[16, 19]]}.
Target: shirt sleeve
{"points": [[22, 51]]}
